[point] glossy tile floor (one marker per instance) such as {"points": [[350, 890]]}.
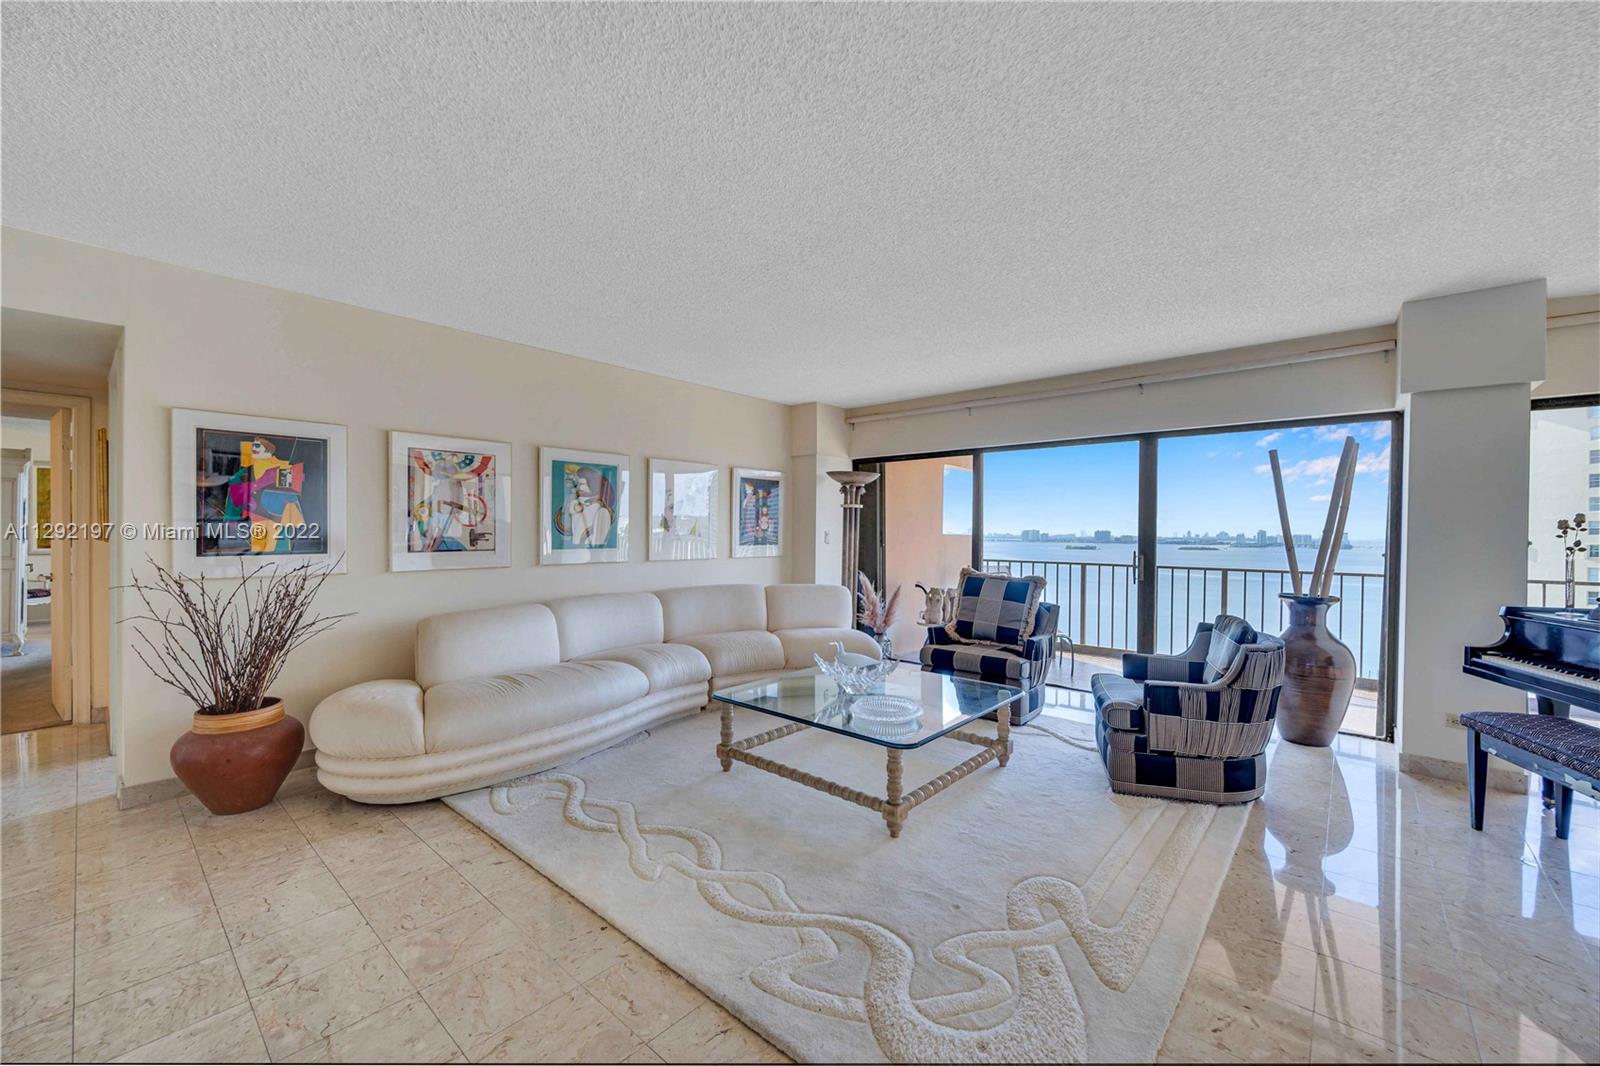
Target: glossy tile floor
{"points": [[1361, 920]]}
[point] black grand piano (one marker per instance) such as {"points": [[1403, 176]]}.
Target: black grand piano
{"points": [[1552, 653]]}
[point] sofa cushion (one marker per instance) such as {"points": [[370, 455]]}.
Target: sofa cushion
{"points": [[744, 652], [988, 661], [372, 720], [496, 640], [690, 612], [807, 607], [800, 644], [1229, 634], [588, 624], [663, 665], [481, 710]]}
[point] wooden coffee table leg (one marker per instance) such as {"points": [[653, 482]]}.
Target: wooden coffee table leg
{"points": [[1002, 731], [727, 737], [893, 815]]}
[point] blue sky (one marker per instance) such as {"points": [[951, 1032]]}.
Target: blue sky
{"points": [[1218, 481]]}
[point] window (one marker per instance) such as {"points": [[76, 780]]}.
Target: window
{"points": [[957, 501]]}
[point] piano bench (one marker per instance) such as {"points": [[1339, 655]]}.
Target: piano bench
{"points": [[1563, 751]]}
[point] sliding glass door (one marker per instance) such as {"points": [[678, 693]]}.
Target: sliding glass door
{"points": [[1070, 514], [1220, 547], [1140, 539]]}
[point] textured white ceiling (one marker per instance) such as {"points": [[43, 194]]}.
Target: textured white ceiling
{"points": [[831, 202]]}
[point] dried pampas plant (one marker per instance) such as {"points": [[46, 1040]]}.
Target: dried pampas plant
{"points": [[876, 613]]}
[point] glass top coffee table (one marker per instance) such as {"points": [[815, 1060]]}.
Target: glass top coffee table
{"points": [[810, 700]]}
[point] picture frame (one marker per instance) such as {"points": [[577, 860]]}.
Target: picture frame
{"points": [[583, 506], [756, 514], [265, 492], [685, 510], [449, 502], [40, 527]]}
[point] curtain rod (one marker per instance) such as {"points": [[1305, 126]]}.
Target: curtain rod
{"points": [[1130, 381]]}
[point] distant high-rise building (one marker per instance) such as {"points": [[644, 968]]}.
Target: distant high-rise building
{"points": [[1304, 540], [1030, 534], [1261, 538], [1102, 536]]}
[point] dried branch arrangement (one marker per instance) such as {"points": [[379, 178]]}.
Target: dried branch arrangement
{"points": [[223, 647], [1332, 529], [876, 612]]}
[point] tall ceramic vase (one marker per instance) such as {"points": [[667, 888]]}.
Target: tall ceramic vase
{"points": [[1319, 673]]}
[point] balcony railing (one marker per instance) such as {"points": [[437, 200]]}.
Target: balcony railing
{"points": [[1099, 603]]}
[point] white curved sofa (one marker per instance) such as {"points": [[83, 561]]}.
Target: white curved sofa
{"points": [[512, 690]]}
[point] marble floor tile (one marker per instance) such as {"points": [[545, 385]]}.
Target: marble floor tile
{"points": [[49, 1040], [141, 958], [150, 1010], [1504, 1038], [297, 1014], [228, 1036], [1271, 968], [1217, 1017], [476, 1003], [34, 947], [579, 940], [35, 995], [574, 1028], [253, 916], [303, 949], [1332, 1041], [645, 994], [418, 902], [453, 943], [1401, 1015], [710, 1034], [408, 1031]]}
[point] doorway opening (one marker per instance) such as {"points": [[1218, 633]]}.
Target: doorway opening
{"points": [[35, 681]]}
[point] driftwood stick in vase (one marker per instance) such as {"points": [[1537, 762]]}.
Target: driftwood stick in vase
{"points": [[1283, 520], [1343, 502], [1333, 515]]}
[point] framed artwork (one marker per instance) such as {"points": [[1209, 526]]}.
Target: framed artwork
{"points": [[449, 502], [40, 530], [268, 491], [684, 509], [583, 506], [757, 502]]}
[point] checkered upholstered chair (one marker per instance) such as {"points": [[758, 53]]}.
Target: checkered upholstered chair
{"points": [[991, 638], [1193, 726]]}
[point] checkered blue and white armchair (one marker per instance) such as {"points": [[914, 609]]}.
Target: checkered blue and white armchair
{"points": [[1193, 726], [1001, 633]]}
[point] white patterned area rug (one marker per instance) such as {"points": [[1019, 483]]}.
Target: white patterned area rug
{"points": [[1025, 914]]}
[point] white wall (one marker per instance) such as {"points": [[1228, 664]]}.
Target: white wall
{"points": [[1353, 385], [197, 340], [1464, 520]]}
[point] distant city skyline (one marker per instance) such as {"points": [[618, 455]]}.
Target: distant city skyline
{"points": [[1206, 484]]}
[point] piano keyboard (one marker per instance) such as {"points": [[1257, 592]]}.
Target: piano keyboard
{"points": [[1588, 679]]}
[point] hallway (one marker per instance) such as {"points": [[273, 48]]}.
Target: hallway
{"points": [[25, 685]]}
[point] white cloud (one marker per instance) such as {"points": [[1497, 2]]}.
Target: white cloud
{"points": [[1268, 439], [1380, 431], [1320, 471], [1321, 497], [1337, 433]]}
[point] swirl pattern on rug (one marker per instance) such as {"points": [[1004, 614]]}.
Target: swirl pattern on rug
{"points": [[1046, 1022]]}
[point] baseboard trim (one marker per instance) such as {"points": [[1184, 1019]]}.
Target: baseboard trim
{"points": [[130, 796], [1501, 778]]}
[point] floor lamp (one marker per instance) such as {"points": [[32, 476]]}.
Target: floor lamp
{"points": [[852, 485]]}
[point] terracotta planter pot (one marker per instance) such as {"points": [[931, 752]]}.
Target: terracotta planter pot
{"points": [[1319, 673], [237, 762]]}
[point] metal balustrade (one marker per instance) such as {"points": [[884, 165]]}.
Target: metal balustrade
{"points": [[1099, 603]]}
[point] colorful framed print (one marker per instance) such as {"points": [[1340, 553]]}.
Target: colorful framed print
{"points": [[757, 503], [449, 502], [42, 528], [267, 492], [583, 506], [685, 507]]}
